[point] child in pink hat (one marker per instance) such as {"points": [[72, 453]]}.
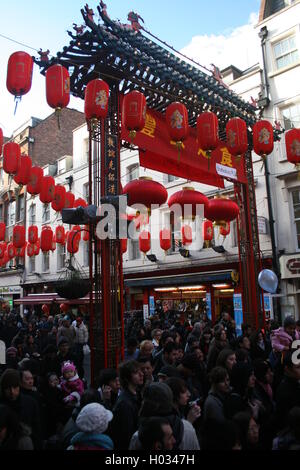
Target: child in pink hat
{"points": [[71, 384]]}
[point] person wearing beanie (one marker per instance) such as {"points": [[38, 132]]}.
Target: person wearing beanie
{"points": [[64, 354], [25, 407], [158, 401], [71, 385], [92, 422]]}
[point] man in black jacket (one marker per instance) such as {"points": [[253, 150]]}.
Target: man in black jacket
{"points": [[126, 410], [288, 391]]}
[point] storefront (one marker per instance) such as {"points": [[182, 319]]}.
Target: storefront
{"points": [[10, 294], [290, 285]]}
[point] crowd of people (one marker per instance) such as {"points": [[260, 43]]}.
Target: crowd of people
{"points": [[182, 386]]}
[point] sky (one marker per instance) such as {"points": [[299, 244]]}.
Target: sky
{"points": [[208, 31]]}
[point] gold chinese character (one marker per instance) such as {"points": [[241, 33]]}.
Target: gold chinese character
{"points": [[110, 142], [172, 142], [150, 126], [112, 153], [203, 153], [111, 177], [111, 166], [112, 189], [226, 157]]}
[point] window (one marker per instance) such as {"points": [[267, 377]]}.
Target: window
{"points": [[85, 152], [46, 213], [46, 263], [20, 208], [32, 214], [133, 172], [31, 266], [285, 52], [134, 252], [296, 209], [11, 213], [61, 256], [291, 116], [86, 260], [234, 234], [171, 178], [62, 166]]}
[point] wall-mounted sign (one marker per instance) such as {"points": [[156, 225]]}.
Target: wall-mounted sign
{"points": [[10, 290], [290, 266]]}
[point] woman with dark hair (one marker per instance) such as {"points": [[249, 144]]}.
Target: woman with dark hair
{"points": [[181, 396], [226, 359], [248, 430], [14, 435], [220, 342], [205, 340], [260, 348]]}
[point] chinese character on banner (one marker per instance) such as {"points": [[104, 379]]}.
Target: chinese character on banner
{"points": [[111, 177], [150, 126], [112, 189], [111, 154], [226, 157]]}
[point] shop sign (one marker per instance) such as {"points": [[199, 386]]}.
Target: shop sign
{"points": [[208, 305], [238, 312], [290, 266], [10, 290], [151, 305], [268, 306], [146, 311], [226, 171]]}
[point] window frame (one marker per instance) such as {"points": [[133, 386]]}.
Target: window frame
{"points": [[275, 41], [294, 220], [46, 255]]}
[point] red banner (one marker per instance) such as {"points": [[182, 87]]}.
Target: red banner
{"points": [[159, 153]]}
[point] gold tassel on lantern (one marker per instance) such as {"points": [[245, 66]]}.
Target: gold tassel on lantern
{"points": [[132, 135], [179, 146], [263, 157]]}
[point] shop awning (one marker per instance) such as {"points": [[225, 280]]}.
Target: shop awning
{"points": [[36, 299], [180, 279]]}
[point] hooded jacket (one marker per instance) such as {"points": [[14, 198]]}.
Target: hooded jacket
{"points": [[281, 340]]}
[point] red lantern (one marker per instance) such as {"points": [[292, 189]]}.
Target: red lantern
{"points": [[86, 234], [3, 247], [145, 241], [21, 251], [237, 138], [177, 123], [96, 99], [145, 191], [1, 140], [79, 202], [208, 131], [263, 138], [165, 239], [73, 242], [19, 236], [207, 232], [186, 235], [32, 234], [11, 250], [123, 242], [2, 231], [134, 112], [46, 239], [30, 250], [45, 309], [35, 183], [57, 87], [58, 202], [292, 144], [221, 210], [60, 235], [19, 73], [69, 200], [64, 308], [23, 175], [37, 247], [77, 229], [11, 158], [224, 231], [47, 190], [189, 201]]}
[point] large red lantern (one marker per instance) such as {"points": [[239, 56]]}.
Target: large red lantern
{"points": [[73, 241], [79, 203], [237, 138], [64, 308], [1, 140], [60, 235], [23, 175], [145, 241], [57, 87], [35, 183], [207, 232], [11, 250], [134, 111], [45, 309], [19, 73], [225, 230], [69, 200], [186, 235], [11, 158], [2, 231], [221, 210], [292, 144], [46, 239], [30, 250], [263, 138], [208, 132], [177, 121], [146, 192], [96, 100], [190, 202], [3, 247], [59, 200], [19, 236], [33, 234], [47, 190], [165, 239], [37, 247], [123, 243]]}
